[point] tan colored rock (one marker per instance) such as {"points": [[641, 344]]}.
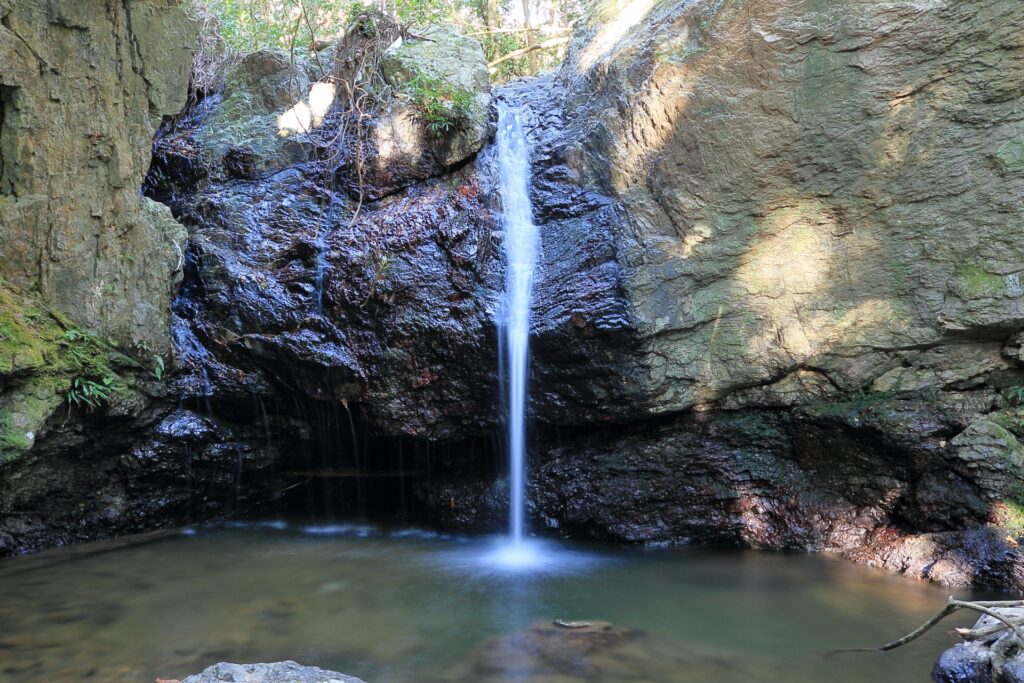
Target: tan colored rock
{"points": [[833, 187], [83, 86]]}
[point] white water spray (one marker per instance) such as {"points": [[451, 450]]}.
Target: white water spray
{"points": [[521, 246]]}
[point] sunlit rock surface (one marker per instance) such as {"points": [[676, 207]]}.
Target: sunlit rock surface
{"points": [[795, 220], [813, 191], [278, 672], [255, 120]]}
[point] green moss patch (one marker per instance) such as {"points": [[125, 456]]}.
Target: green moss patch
{"points": [[972, 281], [1011, 155], [46, 362]]}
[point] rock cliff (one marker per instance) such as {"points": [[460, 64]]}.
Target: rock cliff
{"points": [[786, 232], [779, 303], [88, 267]]}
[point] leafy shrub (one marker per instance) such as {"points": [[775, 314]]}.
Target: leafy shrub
{"points": [[441, 106]]}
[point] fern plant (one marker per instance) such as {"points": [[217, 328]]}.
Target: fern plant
{"points": [[89, 394]]}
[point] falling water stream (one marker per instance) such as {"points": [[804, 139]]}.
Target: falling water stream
{"points": [[521, 246]]}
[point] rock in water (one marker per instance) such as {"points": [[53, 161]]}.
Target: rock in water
{"points": [[595, 652], [277, 672], [964, 663]]}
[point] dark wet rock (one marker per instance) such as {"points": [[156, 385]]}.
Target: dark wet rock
{"points": [[151, 471], [986, 558], [964, 663], [1013, 671], [991, 652], [848, 478], [278, 672]]}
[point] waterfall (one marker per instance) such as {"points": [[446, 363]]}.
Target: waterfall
{"points": [[521, 246]]}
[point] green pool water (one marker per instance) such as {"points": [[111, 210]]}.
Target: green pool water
{"points": [[406, 606]]}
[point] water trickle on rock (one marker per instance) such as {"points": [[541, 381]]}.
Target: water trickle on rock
{"points": [[521, 246]]}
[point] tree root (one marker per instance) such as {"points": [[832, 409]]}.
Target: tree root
{"points": [[988, 608]]}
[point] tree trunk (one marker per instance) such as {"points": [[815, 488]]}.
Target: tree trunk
{"points": [[529, 38], [492, 19]]}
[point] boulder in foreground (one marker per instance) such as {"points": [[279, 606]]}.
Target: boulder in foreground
{"points": [[276, 672]]}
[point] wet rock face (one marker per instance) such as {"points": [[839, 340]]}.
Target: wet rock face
{"points": [[297, 287], [390, 311], [150, 470], [877, 481], [777, 303]]}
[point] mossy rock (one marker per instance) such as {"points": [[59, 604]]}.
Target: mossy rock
{"points": [[1011, 155], [258, 90], [443, 70], [22, 342], [972, 281], [42, 353]]}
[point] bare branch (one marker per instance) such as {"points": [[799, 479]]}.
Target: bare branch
{"points": [[552, 42], [952, 605]]}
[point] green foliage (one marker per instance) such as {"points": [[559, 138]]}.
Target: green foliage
{"points": [[252, 24], [89, 394], [158, 367], [94, 379], [247, 25], [1015, 395], [441, 106]]}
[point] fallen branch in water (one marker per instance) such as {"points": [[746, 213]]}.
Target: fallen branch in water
{"points": [[953, 605]]}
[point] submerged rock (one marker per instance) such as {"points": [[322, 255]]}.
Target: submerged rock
{"points": [[596, 651], [278, 672]]}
